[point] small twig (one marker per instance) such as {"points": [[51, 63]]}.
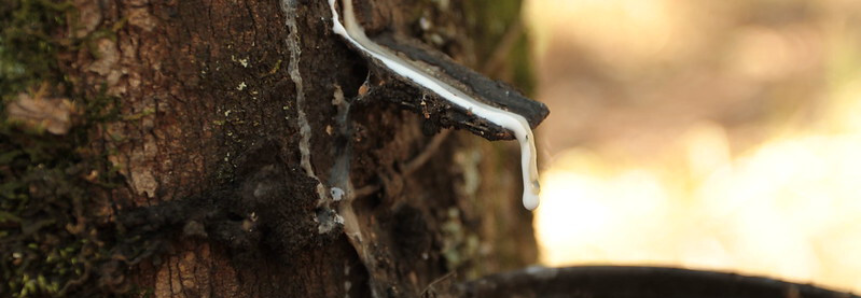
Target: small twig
{"points": [[428, 152], [432, 284], [366, 190], [409, 167]]}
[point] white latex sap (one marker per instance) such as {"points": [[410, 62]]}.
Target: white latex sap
{"points": [[353, 32]]}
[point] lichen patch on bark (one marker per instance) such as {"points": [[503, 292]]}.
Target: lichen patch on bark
{"points": [[39, 113], [106, 65]]}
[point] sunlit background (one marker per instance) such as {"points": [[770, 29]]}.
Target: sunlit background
{"points": [[722, 135]]}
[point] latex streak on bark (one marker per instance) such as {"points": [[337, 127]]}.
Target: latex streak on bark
{"points": [[353, 32]]}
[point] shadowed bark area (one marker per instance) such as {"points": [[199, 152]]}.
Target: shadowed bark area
{"points": [[239, 122]]}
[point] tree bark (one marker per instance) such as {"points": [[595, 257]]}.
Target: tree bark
{"points": [[236, 126]]}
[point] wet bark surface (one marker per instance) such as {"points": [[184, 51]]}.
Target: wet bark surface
{"points": [[244, 124]]}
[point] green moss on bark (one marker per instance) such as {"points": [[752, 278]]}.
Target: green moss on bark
{"points": [[56, 234], [28, 44]]}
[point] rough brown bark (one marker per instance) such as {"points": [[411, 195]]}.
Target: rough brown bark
{"points": [[215, 96]]}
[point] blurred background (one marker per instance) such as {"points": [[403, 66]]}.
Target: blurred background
{"points": [[721, 135]]}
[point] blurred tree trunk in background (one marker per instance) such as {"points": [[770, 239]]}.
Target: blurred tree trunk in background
{"points": [[193, 149]]}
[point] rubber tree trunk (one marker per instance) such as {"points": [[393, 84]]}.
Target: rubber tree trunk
{"points": [[203, 146]]}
